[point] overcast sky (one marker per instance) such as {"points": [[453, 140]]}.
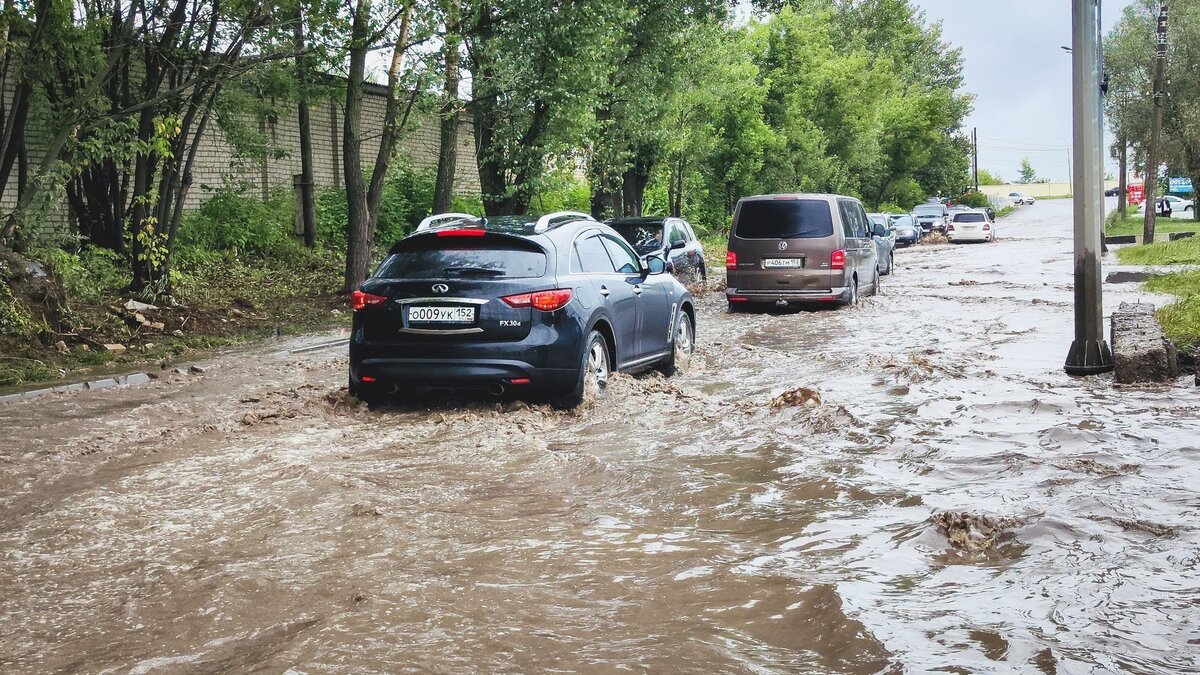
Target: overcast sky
{"points": [[1020, 75]]}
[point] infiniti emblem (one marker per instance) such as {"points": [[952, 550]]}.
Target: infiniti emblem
{"points": [[783, 246], [441, 288]]}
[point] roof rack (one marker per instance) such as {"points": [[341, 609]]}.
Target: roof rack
{"points": [[433, 220], [550, 219]]}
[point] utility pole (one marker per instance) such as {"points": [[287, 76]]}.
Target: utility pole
{"points": [[975, 154], [1152, 155], [1089, 354]]}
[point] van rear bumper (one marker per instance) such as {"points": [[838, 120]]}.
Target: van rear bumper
{"points": [[734, 295]]}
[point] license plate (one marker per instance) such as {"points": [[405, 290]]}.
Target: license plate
{"points": [[441, 315], [783, 263]]}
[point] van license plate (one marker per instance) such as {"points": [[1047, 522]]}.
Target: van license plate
{"points": [[441, 315], [783, 263]]}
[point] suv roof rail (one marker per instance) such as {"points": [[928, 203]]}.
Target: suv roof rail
{"points": [[550, 219], [434, 219]]}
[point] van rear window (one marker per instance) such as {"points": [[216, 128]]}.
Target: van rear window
{"points": [[784, 219], [486, 258]]}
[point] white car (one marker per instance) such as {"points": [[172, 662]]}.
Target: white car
{"points": [[1179, 204], [970, 226], [1019, 198]]}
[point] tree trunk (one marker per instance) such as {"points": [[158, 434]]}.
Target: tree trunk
{"points": [[676, 189], [1152, 155], [308, 204], [443, 188], [358, 234], [392, 123]]}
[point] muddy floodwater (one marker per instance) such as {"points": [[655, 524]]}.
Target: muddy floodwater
{"points": [[944, 499]]}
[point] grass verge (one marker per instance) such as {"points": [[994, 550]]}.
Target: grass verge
{"points": [[1115, 225], [1180, 319]]}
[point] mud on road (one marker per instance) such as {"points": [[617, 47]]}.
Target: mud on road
{"points": [[941, 497]]}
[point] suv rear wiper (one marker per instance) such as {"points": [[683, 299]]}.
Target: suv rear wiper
{"points": [[481, 271]]}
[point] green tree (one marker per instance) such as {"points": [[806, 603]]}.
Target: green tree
{"points": [[1028, 175], [988, 178]]}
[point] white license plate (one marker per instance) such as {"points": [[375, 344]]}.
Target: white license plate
{"points": [[783, 263], [441, 315]]}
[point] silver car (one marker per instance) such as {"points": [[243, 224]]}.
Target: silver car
{"points": [[906, 229], [885, 241]]}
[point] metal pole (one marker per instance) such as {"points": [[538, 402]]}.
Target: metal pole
{"points": [[975, 154], [1090, 354]]}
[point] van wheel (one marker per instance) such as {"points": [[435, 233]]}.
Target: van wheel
{"points": [[682, 346], [594, 371], [853, 299], [875, 283]]}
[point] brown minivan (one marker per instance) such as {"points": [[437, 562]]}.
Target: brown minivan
{"points": [[797, 249]]}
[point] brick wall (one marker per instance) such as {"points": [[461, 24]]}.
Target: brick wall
{"points": [[216, 161]]}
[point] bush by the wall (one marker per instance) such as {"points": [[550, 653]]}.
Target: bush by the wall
{"points": [[235, 219]]}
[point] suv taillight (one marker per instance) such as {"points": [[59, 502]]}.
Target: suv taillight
{"points": [[837, 261], [545, 301], [730, 260], [359, 300], [950, 227]]}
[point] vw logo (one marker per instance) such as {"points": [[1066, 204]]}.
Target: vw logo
{"points": [[783, 246], [441, 288]]}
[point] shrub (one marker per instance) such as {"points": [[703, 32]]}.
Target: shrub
{"points": [[889, 207], [407, 196], [975, 200], [91, 274], [233, 219], [562, 191]]}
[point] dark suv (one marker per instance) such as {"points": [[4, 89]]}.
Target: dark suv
{"points": [[513, 304], [671, 238], [786, 249]]}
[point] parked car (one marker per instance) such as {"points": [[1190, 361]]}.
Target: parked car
{"points": [[908, 232], [1112, 192], [885, 242], [1179, 204], [931, 217], [798, 249], [671, 238], [970, 226], [552, 305], [1019, 198]]}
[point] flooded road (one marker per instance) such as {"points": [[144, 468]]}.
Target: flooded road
{"points": [[953, 503]]}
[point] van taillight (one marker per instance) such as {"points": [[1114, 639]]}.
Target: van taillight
{"points": [[730, 260], [837, 261], [359, 300], [545, 301]]}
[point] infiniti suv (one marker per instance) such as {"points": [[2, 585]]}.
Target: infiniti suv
{"points": [[552, 305]]}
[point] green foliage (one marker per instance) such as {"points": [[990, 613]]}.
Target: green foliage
{"points": [[561, 191], [975, 200], [90, 274], [14, 320], [889, 207], [1181, 252], [988, 178], [233, 219], [1028, 175], [407, 194]]}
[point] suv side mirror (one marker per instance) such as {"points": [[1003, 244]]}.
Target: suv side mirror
{"points": [[678, 244], [880, 231], [653, 264]]}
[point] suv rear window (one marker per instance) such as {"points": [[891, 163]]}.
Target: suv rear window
{"points": [[969, 218], [430, 258], [784, 219], [929, 211]]}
